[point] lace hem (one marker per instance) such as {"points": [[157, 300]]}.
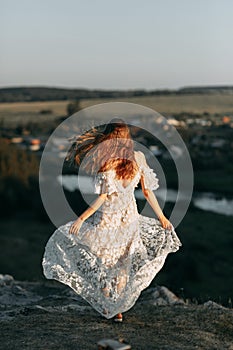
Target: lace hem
{"points": [[109, 286]]}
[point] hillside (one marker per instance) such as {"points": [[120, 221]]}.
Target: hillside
{"points": [[48, 315], [41, 93]]}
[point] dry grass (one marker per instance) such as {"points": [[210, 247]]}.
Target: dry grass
{"points": [[214, 103], [58, 107], [23, 112], [16, 113]]}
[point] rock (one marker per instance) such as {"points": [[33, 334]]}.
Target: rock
{"points": [[161, 295], [13, 294], [111, 344], [6, 280], [76, 307], [28, 310], [212, 305], [8, 315], [21, 298]]}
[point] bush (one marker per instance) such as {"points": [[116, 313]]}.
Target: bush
{"points": [[19, 187], [73, 107]]}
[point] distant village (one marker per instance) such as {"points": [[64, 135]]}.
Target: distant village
{"points": [[206, 133]]}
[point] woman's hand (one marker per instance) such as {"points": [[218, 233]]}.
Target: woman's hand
{"points": [[75, 227], [165, 223]]}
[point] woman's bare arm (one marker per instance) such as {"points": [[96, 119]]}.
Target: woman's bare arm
{"points": [[152, 200], [75, 227]]}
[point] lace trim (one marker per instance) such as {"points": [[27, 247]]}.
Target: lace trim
{"points": [[150, 178], [104, 183]]}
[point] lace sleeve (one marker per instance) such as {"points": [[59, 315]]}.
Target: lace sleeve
{"points": [[150, 178], [104, 183]]}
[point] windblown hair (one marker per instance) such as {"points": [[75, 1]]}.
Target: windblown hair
{"points": [[107, 148]]}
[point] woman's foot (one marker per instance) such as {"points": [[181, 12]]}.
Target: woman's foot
{"points": [[118, 318]]}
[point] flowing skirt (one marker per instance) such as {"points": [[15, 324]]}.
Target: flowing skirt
{"points": [[109, 271]]}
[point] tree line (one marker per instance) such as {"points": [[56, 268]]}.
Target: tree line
{"points": [[29, 94]]}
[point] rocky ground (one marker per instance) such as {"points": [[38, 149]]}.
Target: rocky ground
{"points": [[48, 315]]}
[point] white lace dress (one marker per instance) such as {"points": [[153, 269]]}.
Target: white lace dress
{"points": [[117, 251]]}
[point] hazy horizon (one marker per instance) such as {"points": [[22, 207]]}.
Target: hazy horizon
{"points": [[117, 89], [162, 44]]}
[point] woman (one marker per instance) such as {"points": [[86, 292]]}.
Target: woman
{"points": [[111, 252]]}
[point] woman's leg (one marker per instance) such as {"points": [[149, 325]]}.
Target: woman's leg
{"points": [[121, 281]]}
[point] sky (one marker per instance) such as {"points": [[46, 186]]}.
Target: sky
{"points": [[124, 44]]}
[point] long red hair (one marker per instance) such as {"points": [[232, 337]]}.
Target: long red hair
{"points": [[108, 147]]}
